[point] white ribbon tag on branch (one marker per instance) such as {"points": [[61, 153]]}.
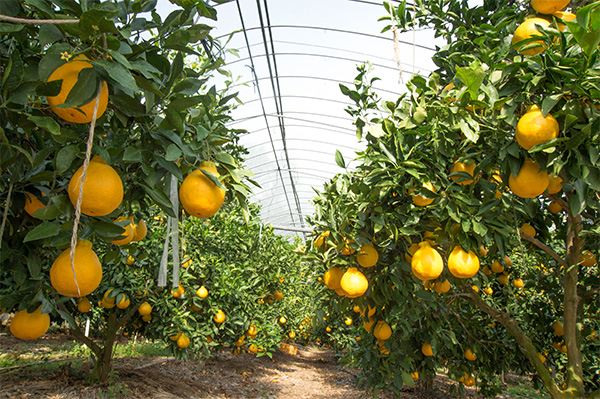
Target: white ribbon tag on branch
{"points": [[173, 234]]}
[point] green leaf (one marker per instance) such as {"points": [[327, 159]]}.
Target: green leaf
{"points": [[44, 230], [339, 159], [132, 154], [173, 153], [119, 75], [47, 123], [65, 157]]}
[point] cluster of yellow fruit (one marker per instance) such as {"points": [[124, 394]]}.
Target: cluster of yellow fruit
{"points": [[427, 263], [350, 283]]}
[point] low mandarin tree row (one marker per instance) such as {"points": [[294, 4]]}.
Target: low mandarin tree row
{"points": [[241, 288], [478, 194], [115, 94]]}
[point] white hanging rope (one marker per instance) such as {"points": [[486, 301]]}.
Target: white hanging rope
{"points": [[86, 163]]}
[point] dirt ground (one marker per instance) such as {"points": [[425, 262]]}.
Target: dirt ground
{"points": [[310, 374]]}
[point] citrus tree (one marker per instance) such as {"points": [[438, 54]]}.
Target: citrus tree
{"points": [[468, 234], [104, 108]]}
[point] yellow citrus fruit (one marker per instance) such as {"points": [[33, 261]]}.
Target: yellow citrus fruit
{"points": [[461, 167], [347, 249], [558, 328], [354, 283], [529, 182], [84, 305], [183, 341], [533, 128], [554, 207], [497, 267], [587, 258], [482, 250], [123, 303], [202, 292], [518, 283], [367, 256], [141, 229], [88, 271], [25, 325], [322, 239], [128, 232], [145, 309], [419, 200], [528, 229], [382, 331], [427, 263], [69, 74], [348, 321], [220, 317], [333, 277], [32, 203], [548, 6], [426, 349], [527, 30], [199, 196], [442, 287], [463, 264], [554, 184], [469, 355], [102, 190]]}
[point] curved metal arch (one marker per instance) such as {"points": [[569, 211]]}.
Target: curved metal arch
{"points": [[288, 26], [321, 78]]}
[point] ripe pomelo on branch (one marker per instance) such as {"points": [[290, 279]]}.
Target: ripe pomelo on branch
{"points": [[102, 189], [88, 271], [198, 195], [69, 74]]}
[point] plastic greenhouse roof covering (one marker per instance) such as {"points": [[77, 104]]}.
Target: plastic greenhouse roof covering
{"points": [[292, 57]]}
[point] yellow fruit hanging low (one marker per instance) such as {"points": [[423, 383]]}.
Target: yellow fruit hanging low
{"points": [[427, 263], [549, 6], [88, 271], [528, 29], [32, 203], [530, 182], [29, 326], [463, 264], [198, 195], [128, 232], [354, 283], [69, 74], [534, 128], [368, 256], [102, 189]]}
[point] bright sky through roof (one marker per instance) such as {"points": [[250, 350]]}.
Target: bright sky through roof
{"points": [[317, 46]]}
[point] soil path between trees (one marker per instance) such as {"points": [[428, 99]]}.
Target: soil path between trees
{"points": [[310, 374]]}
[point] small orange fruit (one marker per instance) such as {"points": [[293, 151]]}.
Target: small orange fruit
{"points": [[534, 128], [419, 200], [528, 29], [354, 283], [29, 326], [427, 263], [88, 271], [530, 181], [463, 264], [102, 190], [69, 74], [198, 195]]}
